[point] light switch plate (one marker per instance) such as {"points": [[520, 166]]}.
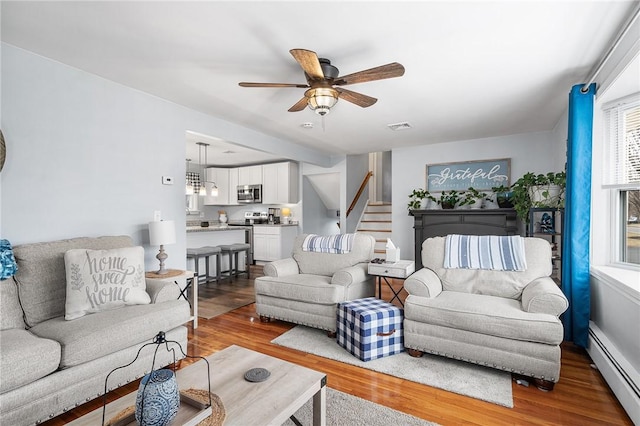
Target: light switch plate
{"points": [[157, 216], [167, 180]]}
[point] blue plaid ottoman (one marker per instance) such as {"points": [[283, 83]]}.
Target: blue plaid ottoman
{"points": [[370, 328]]}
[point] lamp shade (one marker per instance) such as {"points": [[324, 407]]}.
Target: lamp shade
{"points": [[162, 232], [285, 211]]}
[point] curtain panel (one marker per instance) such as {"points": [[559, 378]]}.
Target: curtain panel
{"points": [[576, 236]]}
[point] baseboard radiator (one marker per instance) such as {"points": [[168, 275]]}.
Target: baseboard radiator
{"points": [[621, 377]]}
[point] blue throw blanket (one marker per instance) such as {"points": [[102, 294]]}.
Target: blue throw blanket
{"points": [[500, 253], [340, 243]]}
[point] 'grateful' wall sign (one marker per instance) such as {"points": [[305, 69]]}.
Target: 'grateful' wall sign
{"points": [[481, 175]]}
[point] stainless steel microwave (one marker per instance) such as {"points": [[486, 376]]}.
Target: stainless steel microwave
{"points": [[249, 194]]}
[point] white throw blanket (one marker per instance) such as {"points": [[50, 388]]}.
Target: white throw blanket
{"points": [[339, 243], [500, 253]]}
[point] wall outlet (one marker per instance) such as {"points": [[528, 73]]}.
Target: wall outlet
{"points": [[167, 180], [157, 216]]}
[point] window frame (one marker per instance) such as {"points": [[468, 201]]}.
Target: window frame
{"points": [[618, 201]]}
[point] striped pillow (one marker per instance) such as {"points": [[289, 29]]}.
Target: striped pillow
{"points": [[499, 253], [339, 243]]}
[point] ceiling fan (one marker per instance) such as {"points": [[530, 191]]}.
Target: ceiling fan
{"points": [[322, 77]]}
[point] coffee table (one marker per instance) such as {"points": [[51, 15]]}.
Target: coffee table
{"points": [[270, 402]]}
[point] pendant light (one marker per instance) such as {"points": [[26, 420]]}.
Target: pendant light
{"points": [[214, 187], [203, 189], [189, 187]]}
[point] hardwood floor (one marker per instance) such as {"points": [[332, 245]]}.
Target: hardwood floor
{"points": [[581, 397]]}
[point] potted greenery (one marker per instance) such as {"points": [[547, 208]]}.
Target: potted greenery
{"points": [[450, 199], [541, 190], [504, 196], [473, 198], [417, 197]]}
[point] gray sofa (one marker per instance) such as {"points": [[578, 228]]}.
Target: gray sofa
{"points": [[49, 365], [307, 287], [502, 319]]}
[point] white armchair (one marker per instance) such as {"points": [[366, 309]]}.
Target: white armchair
{"points": [[307, 287], [502, 319]]}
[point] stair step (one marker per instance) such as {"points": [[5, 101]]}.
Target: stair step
{"points": [[378, 208]]}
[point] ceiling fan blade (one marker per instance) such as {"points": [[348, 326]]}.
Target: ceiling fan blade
{"points": [[245, 84], [355, 97], [309, 62], [391, 70], [299, 106]]}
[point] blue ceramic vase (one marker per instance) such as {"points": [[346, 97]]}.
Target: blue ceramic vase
{"points": [[158, 399]]}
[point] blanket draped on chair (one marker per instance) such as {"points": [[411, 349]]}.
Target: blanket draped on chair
{"points": [[500, 253], [339, 243]]}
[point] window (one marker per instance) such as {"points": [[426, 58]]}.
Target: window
{"points": [[622, 174]]}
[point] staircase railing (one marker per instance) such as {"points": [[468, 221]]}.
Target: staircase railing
{"points": [[363, 185]]}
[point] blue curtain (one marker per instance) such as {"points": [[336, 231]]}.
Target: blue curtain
{"points": [[576, 230]]}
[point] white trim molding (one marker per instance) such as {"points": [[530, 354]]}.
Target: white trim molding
{"points": [[613, 343]]}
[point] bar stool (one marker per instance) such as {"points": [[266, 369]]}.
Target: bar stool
{"points": [[233, 251], [206, 252]]}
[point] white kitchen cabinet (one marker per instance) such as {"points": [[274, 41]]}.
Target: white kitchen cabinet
{"points": [[233, 186], [221, 178], [250, 175], [273, 242], [280, 183]]}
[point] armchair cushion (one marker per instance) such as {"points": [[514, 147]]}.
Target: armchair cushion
{"points": [[301, 287], [494, 283], [328, 263], [488, 315]]}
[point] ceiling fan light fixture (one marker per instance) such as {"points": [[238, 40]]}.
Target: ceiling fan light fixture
{"points": [[321, 99]]}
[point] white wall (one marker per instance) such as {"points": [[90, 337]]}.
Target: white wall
{"points": [[315, 215], [86, 155], [531, 152]]}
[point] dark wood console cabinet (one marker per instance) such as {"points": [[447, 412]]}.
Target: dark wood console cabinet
{"points": [[433, 223]]}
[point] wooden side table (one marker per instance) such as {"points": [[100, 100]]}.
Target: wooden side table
{"points": [[397, 270], [177, 275]]}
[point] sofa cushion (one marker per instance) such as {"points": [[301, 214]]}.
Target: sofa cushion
{"points": [[100, 280], [301, 287], [507, 284], [489, 315], [93, 336], [11, 312], [25, 358], [41, 274], [328, 263]]}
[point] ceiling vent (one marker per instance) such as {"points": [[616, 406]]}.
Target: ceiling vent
{"points": [[399, 126]]}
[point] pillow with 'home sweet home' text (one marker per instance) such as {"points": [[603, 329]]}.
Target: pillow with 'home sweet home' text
{"points": [[99, 280]]}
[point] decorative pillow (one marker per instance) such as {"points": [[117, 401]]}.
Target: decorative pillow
{"points": [[99, 280]]}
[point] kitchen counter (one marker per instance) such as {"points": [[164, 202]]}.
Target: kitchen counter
{"points": [[275, 224], [216, 227]]}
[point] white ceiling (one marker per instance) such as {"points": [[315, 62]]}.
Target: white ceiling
{"points": [[474, 69]]}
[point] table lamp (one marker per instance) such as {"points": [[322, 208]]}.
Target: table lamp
{"points": [[161, 233]]}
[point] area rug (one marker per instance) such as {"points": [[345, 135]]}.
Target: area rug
{"points": [[486, 384], [344, 409]]}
